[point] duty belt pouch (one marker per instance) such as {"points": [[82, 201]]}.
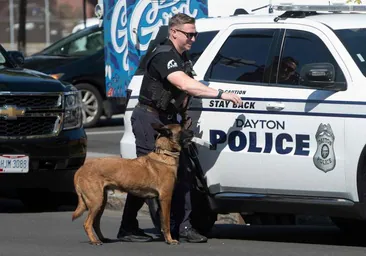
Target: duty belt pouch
{"points": [[162, 98]]}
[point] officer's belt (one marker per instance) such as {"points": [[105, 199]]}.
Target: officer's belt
{"points": [[155, 111]]}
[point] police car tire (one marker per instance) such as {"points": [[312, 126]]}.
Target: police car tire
{"points": [[92, 89]]}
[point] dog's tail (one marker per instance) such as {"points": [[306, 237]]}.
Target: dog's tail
{"points": [[81, 208]]}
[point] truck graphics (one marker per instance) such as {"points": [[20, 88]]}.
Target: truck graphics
{"points": [[129, 26]]}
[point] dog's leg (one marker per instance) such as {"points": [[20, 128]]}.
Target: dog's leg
{"points": [[165, 199], [94, 207], [96, 224], [81, 207]]}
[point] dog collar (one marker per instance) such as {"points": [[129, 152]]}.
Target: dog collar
{"points": [[167, 152]]}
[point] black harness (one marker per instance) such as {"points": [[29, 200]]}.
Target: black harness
{"points": [[163, 97]]}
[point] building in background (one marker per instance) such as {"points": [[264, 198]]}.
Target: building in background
{"points": [[64, 16]]}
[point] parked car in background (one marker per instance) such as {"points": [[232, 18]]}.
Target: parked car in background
{"points": [[79, 60], [88, 22]]}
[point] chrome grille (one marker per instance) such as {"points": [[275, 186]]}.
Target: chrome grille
{"points": [[31, 101], [42, 116], [28, 126]]}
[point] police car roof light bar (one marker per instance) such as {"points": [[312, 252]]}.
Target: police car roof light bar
{"points": [[321, 8], [294, 14]]}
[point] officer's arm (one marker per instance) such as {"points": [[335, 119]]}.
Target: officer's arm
{"points": [[191, 86]]}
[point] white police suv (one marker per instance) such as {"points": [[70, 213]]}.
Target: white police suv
{"points": [[297, 144]]}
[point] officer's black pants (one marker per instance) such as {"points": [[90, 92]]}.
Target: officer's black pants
{"points": [[145, 142]]}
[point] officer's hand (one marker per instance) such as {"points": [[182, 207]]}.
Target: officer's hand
{"points": [[234, 98]]}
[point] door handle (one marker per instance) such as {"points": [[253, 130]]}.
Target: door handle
{"points": [[275, 106]]}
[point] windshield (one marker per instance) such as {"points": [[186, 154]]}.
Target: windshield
{"points": [[76, 45], [354, 41], [3, 60]]}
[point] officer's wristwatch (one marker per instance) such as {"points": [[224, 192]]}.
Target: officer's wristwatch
{"points": [[220, 93]]}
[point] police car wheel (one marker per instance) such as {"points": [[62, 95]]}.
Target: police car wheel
{"points": [[92, 104]]}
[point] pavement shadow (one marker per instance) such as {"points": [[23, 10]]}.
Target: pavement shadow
{"points": [[12, 204], [307, 234], [303, 234], [117, 121]]}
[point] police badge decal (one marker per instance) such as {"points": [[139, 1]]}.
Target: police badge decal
{"points": [[324, 157]]}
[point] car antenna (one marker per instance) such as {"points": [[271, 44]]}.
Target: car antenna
{"points": [[270, 9]]}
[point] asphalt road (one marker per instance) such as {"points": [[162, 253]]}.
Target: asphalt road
{"points": [[104, 139], [53, 233]]}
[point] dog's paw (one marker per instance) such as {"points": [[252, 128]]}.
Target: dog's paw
{"points": [[96, 243], [173, 242]]}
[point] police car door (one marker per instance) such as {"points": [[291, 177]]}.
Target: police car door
{"points": [[308, 154], [234, 162], [285, 138]]}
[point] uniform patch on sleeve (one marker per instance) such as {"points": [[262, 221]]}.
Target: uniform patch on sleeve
{"points": [[172, 64]]}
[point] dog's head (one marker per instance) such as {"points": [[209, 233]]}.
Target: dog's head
{"points": [[172, 137]]}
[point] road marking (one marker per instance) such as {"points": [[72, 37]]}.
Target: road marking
{"points": [[97, 154], [114, 116], [104, 132]]}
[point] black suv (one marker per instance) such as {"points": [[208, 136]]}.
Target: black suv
{"points": [[42, 140]]}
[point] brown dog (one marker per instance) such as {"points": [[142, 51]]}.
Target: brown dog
{"points": [[147, 176]]}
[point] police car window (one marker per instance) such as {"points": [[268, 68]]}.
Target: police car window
{"points": [[300, 48], [354, 41], [199, 46], [243, 57]]}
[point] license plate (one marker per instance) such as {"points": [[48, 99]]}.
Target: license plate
{"points": [[14, 164]]}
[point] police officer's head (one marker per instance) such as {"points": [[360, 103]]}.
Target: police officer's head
{"points": [[182, 31]]}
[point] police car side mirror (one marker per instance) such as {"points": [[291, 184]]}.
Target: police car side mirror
{"points": [[320, 76], [17, 57]]}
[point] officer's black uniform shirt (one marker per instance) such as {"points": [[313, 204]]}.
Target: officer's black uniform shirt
{"points": [[165, 63], [159, 67]]}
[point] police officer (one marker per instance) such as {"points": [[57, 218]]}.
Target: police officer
{"points": [[164, 93]]}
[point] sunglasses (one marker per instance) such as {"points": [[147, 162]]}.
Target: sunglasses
{"points": [[188, 35]]}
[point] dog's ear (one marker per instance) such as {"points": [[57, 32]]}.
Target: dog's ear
{"points": [[163, 130]]}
